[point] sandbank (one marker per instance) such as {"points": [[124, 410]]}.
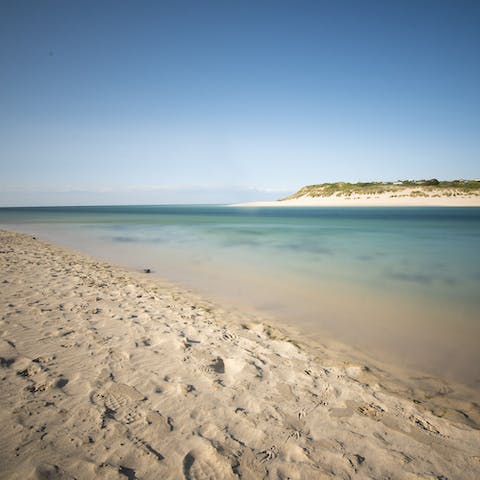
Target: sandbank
{"points": [[108, 373], [386, 199]]}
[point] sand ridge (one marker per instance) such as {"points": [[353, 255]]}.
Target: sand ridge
{"points": [[110, 374]]}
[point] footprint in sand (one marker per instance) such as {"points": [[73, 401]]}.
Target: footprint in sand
{"points": [[217, 366], [371, 410], [423, 424], [294, 434], [120, 401], [126, 405], [249, 466], [269, 454], [206, 464], [37, 375], [302, 413], [48, 471], [229, 336]]}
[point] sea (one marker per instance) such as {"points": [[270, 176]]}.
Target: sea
{"points": [[401, 285]]}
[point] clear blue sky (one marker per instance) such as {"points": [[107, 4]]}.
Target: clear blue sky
{"points": [[131, 101]]}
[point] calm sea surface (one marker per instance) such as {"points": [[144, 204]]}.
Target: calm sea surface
{"points": [[402, 284]]}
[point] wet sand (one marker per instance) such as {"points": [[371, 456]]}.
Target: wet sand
{"points": [[108, 373]]}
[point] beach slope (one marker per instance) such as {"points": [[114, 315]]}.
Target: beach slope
{"points": [[112, 374]]}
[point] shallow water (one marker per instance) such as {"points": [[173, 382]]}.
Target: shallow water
{"points": [[402, 284]]}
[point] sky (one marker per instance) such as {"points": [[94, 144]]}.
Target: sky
{"points": [[217, 101]]}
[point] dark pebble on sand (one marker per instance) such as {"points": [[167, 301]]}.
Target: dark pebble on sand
{"points": [[61, 382]]}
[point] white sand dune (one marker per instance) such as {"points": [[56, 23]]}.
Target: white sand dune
{"points": [[111, 374], [387, 199]]}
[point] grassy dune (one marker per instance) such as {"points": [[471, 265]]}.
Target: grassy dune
{"points": [[408, 188]]}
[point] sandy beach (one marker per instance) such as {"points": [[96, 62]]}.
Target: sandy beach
{"points": [[387, 199], [109, 373]]}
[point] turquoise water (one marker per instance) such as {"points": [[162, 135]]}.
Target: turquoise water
{"points": [[402, 284]]}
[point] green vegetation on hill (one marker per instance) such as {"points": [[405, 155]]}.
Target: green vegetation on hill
{"points": [[432, 187]]}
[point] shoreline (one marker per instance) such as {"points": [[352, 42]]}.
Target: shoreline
{"points": [[403, 362], [106, 371], [373, 200]]}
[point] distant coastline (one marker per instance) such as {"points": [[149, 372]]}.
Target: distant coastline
{"points": [[458, 193]]}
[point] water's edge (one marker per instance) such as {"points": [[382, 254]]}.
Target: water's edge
{"points": [[399, 287]]}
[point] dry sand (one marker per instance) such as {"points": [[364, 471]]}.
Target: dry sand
{"points": [[392, 199], [112, 374]]}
